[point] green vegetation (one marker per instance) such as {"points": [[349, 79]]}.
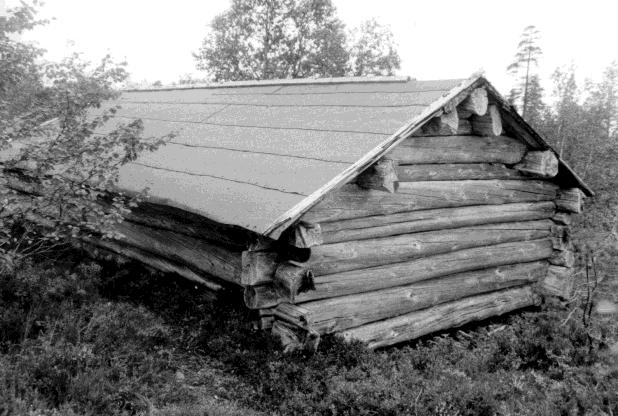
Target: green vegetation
{"points": [[83, 338]]}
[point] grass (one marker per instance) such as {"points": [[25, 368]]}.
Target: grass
{"points": [[80, 338]]}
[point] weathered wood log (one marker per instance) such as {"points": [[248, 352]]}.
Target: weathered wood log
{"points": [[464, 128], [435, 219], [398, 274], [337, 314], [559, 282], [562, 218], [353, 202], [489, 124], [447, 123], [446, 316], [353, 255], [475, 104], [157, 263], [199, 255], [458, 149], [294, 338], [257, 267], [265, 296], [541, 163], [303, 235], [570, 200], [456, 171], [293, 278], [561, 237], [564, 258], [381, 176], [267, 322]]}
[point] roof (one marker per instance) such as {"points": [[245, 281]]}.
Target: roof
{"points": [[258, 155]]}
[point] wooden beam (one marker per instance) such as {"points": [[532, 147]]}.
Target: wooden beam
{"points": [[489, 124], [354, 255], [559, 282], [258, 267], [456, 172], [353, 202], [446, 316], [458, 149], [380, 176], [447, 123], [570, 200], [157, 263], [434, 219], [336, 314], [398, 274], [475, 104], [541, 163]]}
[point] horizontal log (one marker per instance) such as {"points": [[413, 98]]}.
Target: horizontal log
{"points": [[350, 201], [157, 263], [257, 267], [559, 282], [353, 255], [381, 176], [336, 314], [435, 219], [265, 296], [447, 123], [456, 172], [458, 149], [489, 124], [561, 237], [446, 316], [399, 274], [199, 255], [562, 218], [540, 163], [570, 200], [293, 279], [475, 104]]}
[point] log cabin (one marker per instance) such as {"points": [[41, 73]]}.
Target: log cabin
{"points": [[381, 209]]}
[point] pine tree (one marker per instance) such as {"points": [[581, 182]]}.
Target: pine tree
{"points": [[527, 92]]}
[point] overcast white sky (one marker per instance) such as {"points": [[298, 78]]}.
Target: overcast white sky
{"points": [[437, 39]]}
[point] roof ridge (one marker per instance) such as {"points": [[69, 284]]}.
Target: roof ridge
{"points": [[278, 82]]}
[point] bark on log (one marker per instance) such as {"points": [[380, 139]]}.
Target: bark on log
{"points": [[559, 282], [475, 104], [449, 315], [352, 202], [564, 258], [435, 219], [570, 200], [157, 263], [398, 274], [354, 255], [199, 255], [456, 171], [336, 314], [459, 149], [541, 163], [380, 176], [303, 235], [489, 124], [258, 267]]}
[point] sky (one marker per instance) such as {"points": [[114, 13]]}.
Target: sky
{"points": [[437, 39]]}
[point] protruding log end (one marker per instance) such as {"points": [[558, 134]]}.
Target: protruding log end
{"points": [[294, 279], [304, 235], [562, 218], [559, 282], [564, 258], [489, 124], [475, 104], [257, 267], [543, 164], [265, 296], [293, 339], [381, 175], [570, 200]]}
